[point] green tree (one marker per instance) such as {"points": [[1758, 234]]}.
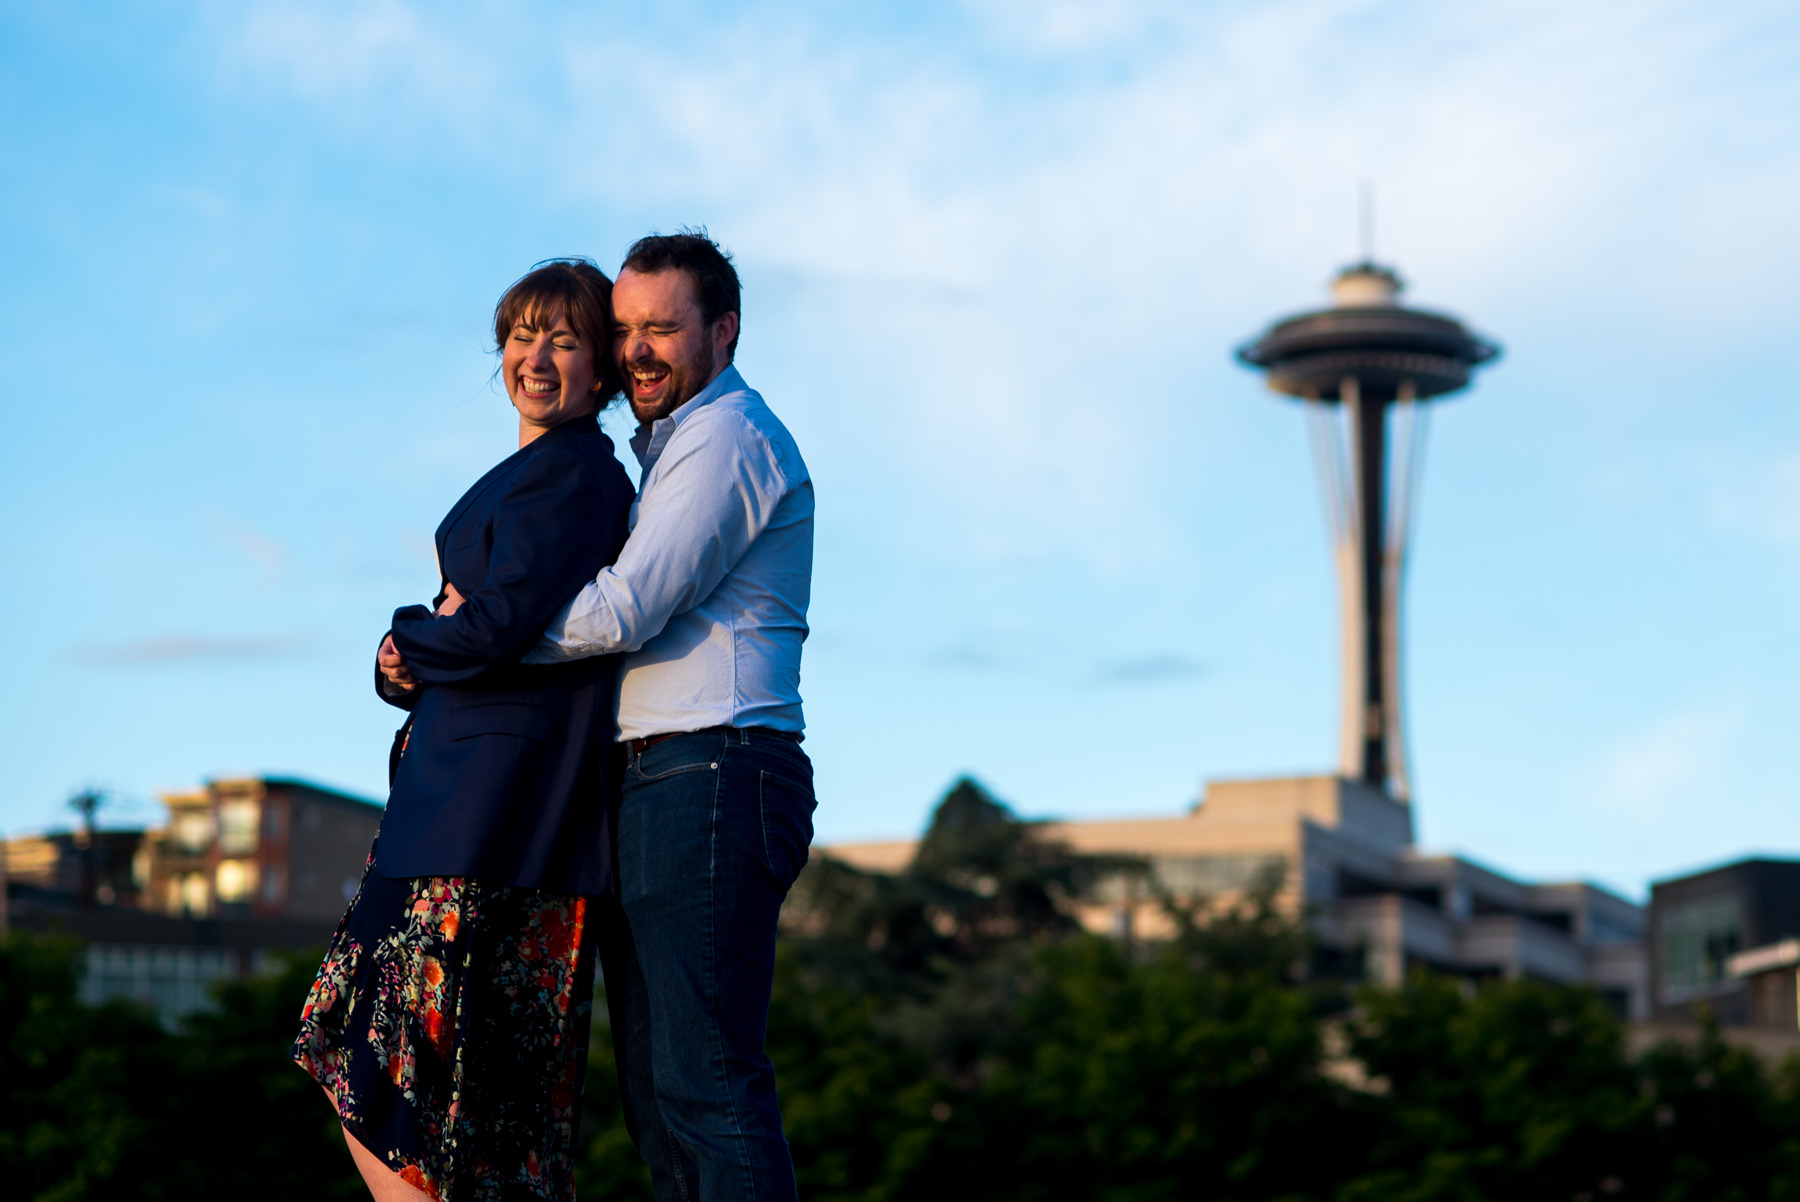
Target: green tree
{"points": [[1718, 1125], [1513, 1090], [1192, 1072], [80, 1087], [266, 1129], [102, 1102]]}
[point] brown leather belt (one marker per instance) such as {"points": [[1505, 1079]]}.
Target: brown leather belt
{"points": [[637, 747]]}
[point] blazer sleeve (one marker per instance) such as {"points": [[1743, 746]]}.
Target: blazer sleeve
{"points": [[551, 534]]}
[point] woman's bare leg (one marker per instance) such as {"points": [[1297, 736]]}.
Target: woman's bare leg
{"points": [[383, 1182]]}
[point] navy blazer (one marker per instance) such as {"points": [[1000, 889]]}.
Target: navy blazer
{"points": [[507, 773]]}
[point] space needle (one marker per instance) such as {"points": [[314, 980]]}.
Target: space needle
{"points": [[1364, 369]]}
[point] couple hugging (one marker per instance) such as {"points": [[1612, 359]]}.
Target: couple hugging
{"points": [[601, 760]]}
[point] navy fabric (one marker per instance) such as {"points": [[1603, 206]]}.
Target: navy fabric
{"points": [[713, 828], [507, 773]]}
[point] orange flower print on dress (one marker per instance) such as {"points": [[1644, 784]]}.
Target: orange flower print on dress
{"points": [[438, 1031], [414, 1176], [468, 1044]]}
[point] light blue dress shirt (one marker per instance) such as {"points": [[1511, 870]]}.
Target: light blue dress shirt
{"points": [[708, 599]]}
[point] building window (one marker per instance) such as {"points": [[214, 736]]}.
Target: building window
{"points": [[175, 980], [192, 893], [237, 827], [1603, 928], [1207, 876], [192, 830], [274, 828], [236, 880], [274, 885], [1697, 936]]}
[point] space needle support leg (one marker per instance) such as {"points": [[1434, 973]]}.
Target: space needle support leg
{"points": [[1408, 441], [1368, 430]]}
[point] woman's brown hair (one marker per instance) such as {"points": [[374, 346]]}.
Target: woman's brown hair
{"points": [[583, 293]]}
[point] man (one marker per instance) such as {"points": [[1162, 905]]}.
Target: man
{"points": [[708, 604]]}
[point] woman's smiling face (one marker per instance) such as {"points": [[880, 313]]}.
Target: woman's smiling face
{"points": [[551, 372]]}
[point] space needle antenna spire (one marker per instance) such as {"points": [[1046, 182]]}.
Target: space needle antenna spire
{"points": [[1365, 369], [1366, 220]]}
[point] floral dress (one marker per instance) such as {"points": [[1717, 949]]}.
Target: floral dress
{"points": [[449, 1023]]}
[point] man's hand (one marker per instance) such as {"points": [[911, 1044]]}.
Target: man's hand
{"points": [[393, 667], [452, 601]]}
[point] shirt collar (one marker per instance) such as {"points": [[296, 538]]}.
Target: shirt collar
{"points": [[647, 443]]}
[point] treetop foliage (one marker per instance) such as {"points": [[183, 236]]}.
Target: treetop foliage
{"points": [[950, 1032]]}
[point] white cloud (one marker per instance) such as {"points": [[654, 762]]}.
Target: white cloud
{"points": [[1673, 760], [269, 555], [1760, 498], [1114, 192], [187, 648]]}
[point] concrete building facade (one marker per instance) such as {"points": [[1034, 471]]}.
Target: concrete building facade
{"points": [[1380, 908], [1725, 938]]}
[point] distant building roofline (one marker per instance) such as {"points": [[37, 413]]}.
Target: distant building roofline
{"points": [[294, 782], [258, 785], [1743, 862]]}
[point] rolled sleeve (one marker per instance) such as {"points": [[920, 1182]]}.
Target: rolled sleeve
{"points": [[711, 492]]}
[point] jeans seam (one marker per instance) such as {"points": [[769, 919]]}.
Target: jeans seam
{"points": [[675, 1155], [673, 772], [762, 816], [722, 1062]]}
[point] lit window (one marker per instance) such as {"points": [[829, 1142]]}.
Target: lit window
{"points": [[237, 827], [236, 880], [194, 893], [193, 830]]}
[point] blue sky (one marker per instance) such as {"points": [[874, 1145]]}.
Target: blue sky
{"points": [[996, 256]]}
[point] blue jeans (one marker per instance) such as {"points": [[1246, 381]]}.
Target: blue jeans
{"points": [[713, 828]]}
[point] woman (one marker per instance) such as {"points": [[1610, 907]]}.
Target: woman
{"points": [[449, 1021]]}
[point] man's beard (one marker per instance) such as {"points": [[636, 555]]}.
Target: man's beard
{"points": [[685, 380]]}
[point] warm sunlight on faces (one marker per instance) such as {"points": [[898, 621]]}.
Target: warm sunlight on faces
{"points": [[666, 351], [551, 374]]}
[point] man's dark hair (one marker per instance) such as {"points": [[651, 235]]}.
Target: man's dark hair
{"points": [[707, 265]]}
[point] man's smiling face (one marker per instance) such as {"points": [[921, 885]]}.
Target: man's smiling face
{"points": [[667, 353]]}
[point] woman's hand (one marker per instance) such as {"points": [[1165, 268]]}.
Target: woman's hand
{"points": [[452, 601], [393, 667]]}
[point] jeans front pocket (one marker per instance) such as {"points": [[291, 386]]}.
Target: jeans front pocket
{"points": [[787, 809], [672, 757]]}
